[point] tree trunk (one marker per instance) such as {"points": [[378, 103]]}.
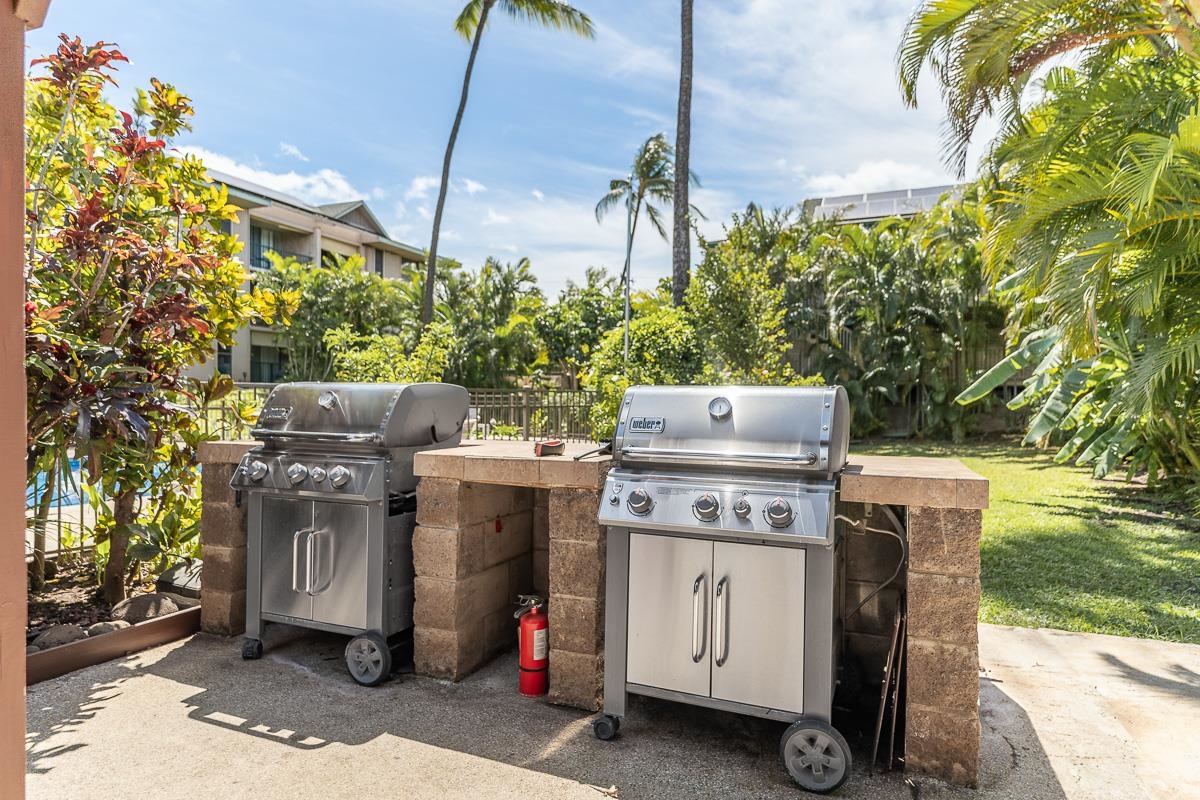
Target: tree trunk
{"points": [[114, 570], [431, 267], [681, 242], [37, 567]]}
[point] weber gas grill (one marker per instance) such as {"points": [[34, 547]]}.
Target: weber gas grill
{"points": [[724, 572], [331, 511]]}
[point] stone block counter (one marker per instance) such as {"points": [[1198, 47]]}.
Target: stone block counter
{"points": [[493, 521]]}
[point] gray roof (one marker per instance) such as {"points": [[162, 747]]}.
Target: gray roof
{"points": [[874, 206]]}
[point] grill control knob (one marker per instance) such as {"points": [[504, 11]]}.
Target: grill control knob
{"points": [[339, 476], [779, 513], [317, 473], [742, 508], [256, 470], [296, 473], [707, 507], [639, 502]]}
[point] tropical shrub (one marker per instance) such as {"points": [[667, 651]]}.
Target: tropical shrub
{"points": [[338, 293], [663, 349], [572, 327], [129, 282], [1095, 236], [382, 358]]}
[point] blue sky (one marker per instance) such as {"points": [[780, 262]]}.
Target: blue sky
{"points": [[792, 99]]}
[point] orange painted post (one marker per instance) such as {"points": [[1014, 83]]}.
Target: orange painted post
{"points": [[13, 21]]}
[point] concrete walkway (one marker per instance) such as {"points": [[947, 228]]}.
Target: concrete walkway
{"points": [[1116, 717], [1065, 716]]}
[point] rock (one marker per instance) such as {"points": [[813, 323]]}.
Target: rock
{"points": [[31, 649], [57, 635], [180, 600], [142, 607], [106, 627]]}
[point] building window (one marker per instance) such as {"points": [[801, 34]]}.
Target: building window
{"points": [[262, 240], [328, 258], [224, 359], [226, 227], [379, 263], [267, 364]]}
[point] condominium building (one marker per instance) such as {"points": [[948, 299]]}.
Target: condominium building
{"points": [[271, 221], [871, 207]]}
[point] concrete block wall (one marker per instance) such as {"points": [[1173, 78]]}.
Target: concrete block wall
{"points": [[577, 559], [223, 543], [871, 559], [473, 555], [942, 731]]}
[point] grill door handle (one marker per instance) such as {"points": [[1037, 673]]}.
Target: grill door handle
{"points": [[309, 557], [698, 620], [721, 618], [296, 561]]}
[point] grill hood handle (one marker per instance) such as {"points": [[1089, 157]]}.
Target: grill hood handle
{"points": [[434, 437]]}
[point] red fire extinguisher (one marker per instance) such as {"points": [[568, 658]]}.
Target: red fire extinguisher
{"points": [[534, 640]]}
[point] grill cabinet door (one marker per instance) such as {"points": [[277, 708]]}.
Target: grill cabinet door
{"points": [[758, 625], [339, 584], [286, 525], [669, 586]]}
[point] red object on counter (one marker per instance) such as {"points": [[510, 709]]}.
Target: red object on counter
{"points": [[534, 641]]}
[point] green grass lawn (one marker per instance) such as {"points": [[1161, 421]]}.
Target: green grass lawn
{"points": [[1061, 550]]}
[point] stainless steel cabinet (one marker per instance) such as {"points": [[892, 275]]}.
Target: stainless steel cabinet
{"points": [[717, 619], [327, 543], [340, 554], [758, 625], [668, 612], [285, 578]]}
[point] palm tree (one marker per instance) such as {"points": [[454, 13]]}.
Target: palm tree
{"points": [[1093, 228], [470, 24], [681, 245], [651, 179], [984, 52]]}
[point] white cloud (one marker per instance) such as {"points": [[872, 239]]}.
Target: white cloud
{"points": [[379, 193], [420, 186], [538, 195], [492, 218], [473, 187], [874, 176], [317, 187], [291, 151]]}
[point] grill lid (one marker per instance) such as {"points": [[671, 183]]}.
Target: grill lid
{"points": [[378, 414], [797, 429]]}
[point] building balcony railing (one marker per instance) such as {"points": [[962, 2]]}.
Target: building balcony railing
{"points": [[259, 260]]}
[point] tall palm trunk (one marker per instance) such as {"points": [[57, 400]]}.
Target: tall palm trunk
{"points": [[114, 570], [681, 242], [431, 267]]}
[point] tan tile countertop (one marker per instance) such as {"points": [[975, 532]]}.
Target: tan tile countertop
{"points": [[514, 464], [896, 480], [912, 481]]}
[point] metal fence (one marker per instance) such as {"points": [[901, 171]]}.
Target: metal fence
{"points": [[71, 518], [493, 414]]}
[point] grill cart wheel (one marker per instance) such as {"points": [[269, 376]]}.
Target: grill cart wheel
{"points": [[252, 649], [606, 727], [816, 755], [369, 659]]}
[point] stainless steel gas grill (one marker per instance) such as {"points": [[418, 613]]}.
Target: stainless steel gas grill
{"points": [[332, 509], [724, 566]]}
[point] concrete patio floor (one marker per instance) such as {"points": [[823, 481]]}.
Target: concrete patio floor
{"points": [[1065, 716]]}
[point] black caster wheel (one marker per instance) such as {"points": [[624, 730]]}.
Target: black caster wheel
{"points": [[369, 659], [606, 727], [252, 649], [816, 755]]}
